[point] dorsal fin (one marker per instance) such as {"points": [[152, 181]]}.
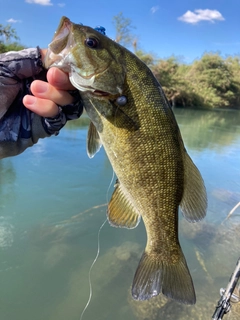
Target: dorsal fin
{"points": [[121, 212], [194, 201]]}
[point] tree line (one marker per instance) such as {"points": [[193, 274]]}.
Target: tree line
{"points": [[209, 82]]}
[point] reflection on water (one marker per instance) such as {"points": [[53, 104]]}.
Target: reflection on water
{"points": [[54, 201], [209, 130]]}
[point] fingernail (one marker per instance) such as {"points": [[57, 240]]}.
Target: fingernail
{"points": [[30, 100], [41, 87]]}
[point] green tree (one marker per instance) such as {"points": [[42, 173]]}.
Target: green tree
{"points": [[233, 63], [212, 78], [6, 34], [166, 71], [123, 27], [13, 46], [147, 58]]}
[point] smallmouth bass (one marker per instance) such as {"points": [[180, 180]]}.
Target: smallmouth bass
{"points": [[130, 116]]}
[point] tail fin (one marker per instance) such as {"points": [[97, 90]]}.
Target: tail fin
{"points": [[154, 276]]}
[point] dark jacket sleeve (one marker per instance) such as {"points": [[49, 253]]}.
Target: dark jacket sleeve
{"points": [[19, 127]]}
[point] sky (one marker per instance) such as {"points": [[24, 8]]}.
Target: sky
{"points": [[184, 28]]}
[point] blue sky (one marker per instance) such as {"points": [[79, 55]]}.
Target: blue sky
{"points": [[184, 28]]}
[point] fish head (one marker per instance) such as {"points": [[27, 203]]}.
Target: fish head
{"points": [[93, 61]]}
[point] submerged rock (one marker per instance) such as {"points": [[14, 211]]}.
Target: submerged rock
{"points": [[112, 272], [226, 196], [55, 255], [162, 308], [201, 234]]}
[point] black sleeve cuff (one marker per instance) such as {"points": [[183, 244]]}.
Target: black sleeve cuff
{"points": [[68, 112]]}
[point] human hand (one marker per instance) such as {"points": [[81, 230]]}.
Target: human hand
{"points": [[47, 96]]}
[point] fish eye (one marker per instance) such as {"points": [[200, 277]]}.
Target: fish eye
{"points": [[92, 43]]}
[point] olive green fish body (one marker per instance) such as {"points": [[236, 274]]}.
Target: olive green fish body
{"points": [[155, 175], [149, 165], [147, 161]]}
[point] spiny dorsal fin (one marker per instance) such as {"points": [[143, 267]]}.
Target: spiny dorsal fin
{"points": [[121, 212], [93, 141], [194, 201]]}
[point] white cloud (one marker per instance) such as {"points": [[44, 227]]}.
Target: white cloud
{"points": [[61, 5], [41, 2], [154, 9], [201, 15], [11, 20]]}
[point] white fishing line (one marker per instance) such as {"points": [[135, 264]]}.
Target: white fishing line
{"points": [[111, 182], [97, 255], [98, 248], [90, 270]]}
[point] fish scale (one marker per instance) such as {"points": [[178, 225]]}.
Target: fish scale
{"points": [[155, 175]]}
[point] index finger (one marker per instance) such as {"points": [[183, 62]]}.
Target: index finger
{"points": [[59, 79]]}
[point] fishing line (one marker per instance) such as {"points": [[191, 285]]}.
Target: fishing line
{"points": [[98, 246], [89, 273], [97, 255]]}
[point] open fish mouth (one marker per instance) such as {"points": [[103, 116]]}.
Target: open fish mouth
{"points": [[84, 83], [60, 55], [61, 38], [81, 52]]}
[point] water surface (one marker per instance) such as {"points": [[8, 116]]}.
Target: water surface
{"points": [[53, 202]]}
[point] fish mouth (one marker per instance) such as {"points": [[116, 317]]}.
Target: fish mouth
{"points": [[85, 83], [58, 53], [101, 93], [93, 91], [61, 38], [68, 52]]}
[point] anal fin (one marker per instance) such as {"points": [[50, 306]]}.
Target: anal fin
{"points": [[121, 212]]}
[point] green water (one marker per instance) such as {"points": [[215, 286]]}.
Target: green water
{"points": [[53, 203]]}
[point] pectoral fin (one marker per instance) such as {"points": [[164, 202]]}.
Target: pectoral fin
{"points": [[93, 141], [121, 120], [121, 212], [194, 201]]}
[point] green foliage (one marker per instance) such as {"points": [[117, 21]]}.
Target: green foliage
{"points": [[13, 46], [7, 33], [211, 82], [123, 27], [234, 66], [172, 76], [166, 71], [145, 57]]}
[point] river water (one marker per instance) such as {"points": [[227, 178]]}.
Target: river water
{"points": [[53, 202]]}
